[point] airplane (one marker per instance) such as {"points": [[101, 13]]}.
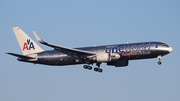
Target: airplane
{"points": [[117, 55]]}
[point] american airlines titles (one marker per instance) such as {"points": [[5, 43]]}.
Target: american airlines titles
{"points": [[130, 50]]}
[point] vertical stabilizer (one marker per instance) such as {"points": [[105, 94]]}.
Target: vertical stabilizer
{"points": [[27, 45]]}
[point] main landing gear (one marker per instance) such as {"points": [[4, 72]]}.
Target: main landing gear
{"points": [[87, 67], [159, 59], [96, 69]]}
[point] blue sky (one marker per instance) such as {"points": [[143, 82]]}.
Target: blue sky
{"points": [[79, 23]]}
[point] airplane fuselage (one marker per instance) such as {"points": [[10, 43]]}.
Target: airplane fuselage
{"points": [[131, 51]]}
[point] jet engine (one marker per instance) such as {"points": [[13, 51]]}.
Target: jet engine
{"points": [[105, 57]]}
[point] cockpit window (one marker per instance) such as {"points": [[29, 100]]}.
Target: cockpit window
{"points": [[165, 45]]}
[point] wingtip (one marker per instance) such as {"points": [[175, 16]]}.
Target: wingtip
{"points": [[6, 52]]}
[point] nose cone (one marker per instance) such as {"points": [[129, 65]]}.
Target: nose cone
{"points": [[170, 49]]}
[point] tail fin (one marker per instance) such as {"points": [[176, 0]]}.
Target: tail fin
{"points": [[27, 45]]}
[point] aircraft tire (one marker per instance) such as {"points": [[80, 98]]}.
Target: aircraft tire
{"points": [[159, 63], [95, 69], [100, 70], [85, 66], [89, 67]]}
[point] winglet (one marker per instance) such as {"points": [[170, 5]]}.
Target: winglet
{"points": [[39, 39]]}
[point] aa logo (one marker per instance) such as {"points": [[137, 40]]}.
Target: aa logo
{"points": [[28, 45]]}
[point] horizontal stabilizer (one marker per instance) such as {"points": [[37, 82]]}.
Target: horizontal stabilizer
{"points": [[20, 56]]}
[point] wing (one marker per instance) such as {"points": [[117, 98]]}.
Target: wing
{"points": [[69, 51]]}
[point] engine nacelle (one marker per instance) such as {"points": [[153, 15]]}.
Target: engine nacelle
{"points": [[105, 57]]}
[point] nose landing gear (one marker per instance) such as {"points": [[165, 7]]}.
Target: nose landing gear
{"points": [[159, 59]]}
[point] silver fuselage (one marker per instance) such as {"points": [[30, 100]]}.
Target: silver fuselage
{"points": [[131, 51]]}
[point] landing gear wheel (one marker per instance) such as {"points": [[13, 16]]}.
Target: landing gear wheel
{"points": [[95, 69], [85, 66], [100, 70], [89, 67], [159, 63]]}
